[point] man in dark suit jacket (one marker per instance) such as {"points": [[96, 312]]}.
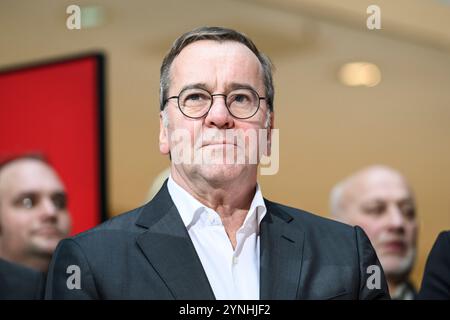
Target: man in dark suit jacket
{"points": [[436, 279], [209, 233], [147, 254], [20, 283]]}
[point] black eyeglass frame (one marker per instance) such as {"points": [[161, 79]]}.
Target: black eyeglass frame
{"points": [[212, 101]]}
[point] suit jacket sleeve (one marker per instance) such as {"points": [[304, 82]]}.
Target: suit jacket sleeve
{"points": [[436, 279], [372, 280], [70, 275]]}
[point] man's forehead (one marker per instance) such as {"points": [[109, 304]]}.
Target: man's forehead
{"points": [[26, 175], [203, 60], [379, 185]]}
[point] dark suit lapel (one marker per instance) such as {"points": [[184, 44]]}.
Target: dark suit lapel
{"points": [[170, 251], [281, 251]]}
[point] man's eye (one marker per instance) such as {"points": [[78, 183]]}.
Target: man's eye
{"points": [[241, 98], [377, 210], [408, 211], [195, 97], [60, 201], [27, 202]]}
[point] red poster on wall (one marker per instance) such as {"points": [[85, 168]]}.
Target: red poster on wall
{"points": [[57, 109]]}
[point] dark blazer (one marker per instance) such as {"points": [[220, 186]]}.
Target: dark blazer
{"points": [[147, 254], [20, 283], [436, 278]]}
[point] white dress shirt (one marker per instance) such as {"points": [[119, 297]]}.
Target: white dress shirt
{"points": [[232, 274]]}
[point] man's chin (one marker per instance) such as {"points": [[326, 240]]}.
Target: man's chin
{"points": [[222, 173], [45, 246], [397, 266]]}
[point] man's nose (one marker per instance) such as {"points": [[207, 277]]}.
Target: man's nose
{"points": [[48, 208], [218, 115], [396, 218]]}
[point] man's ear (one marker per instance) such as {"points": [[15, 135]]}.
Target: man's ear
{"points": [[164, 147]]}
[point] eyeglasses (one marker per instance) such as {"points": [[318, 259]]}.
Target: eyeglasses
{"points": [[195, 103]]}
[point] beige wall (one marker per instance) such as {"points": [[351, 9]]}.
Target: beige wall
{"points": [[327, 130]]}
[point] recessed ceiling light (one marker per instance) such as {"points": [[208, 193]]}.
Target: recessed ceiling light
{"points": [[92, 16], [360, 74]]}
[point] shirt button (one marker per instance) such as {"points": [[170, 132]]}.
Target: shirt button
{"points": [[235, 260]]}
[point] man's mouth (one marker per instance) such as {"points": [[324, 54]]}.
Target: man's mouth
{"points": [[48, 232], [218, 144], [394, 247]]}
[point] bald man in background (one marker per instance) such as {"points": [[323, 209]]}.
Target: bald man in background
{"points": [[33, 212], [379, 200]]}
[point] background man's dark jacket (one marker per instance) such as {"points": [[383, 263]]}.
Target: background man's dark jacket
{"points": [[147, 254], [436, 278], [20, 283]]}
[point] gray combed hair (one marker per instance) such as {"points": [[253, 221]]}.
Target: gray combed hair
{"points": [[219, 34]]}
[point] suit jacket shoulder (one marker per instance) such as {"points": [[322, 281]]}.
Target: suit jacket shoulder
{"points": [[436, 279], [20, 283], [311, 221], [122, 225], [145, 253], [337, 260]]}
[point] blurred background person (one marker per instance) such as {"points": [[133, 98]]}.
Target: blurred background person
{"points": [[33, 211], [436, 278], [379, 200]]}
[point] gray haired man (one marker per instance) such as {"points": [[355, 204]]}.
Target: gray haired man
{"points": [[209, 233]]}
